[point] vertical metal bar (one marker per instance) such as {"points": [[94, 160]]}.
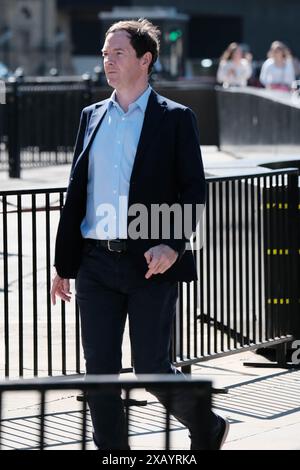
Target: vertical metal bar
{"points": [[221, 230], [285, 310], [20, 283], [42, 420], [208, 267], [201, 313], [14, 153], [84, 420], [63, 339], [293, 237], [283, 257], [290, 252], [69, 105], [127, 414], [247, 252], [253, 258], [260, 241], [267, 246], [180, 333], [273, 283], [199, 289], [215, 269], [202, 398], [188, 320], [229, 287], [234, 262], [59, 99], [195, 318], [63, 317], [77, 339], [46, 97], [168, 403], [26, 134], [196, 250], [48, 283], [34, 285], [173, 347], [5, 285], [241, 267], [277, 258], [39, 125]]}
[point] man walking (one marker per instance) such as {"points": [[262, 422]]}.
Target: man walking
{"points": [[134, 150]]}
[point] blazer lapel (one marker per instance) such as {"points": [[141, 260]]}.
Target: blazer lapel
{"points": [[94, 123], [154, 113], [93, 126]]}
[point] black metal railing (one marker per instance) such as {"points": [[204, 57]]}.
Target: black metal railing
{"points": [[48, 429], [38, 123], [35, 337], [246, 295]]}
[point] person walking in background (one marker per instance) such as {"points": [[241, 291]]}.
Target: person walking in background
{"points": [[142, 147], [234, 69], [277, 71]]}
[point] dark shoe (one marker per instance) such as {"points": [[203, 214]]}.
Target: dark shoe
{"points": [[120, 447], [220, 438]]}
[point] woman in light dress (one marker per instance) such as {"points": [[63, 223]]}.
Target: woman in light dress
{"points": [[234, 69], [278, 71]]}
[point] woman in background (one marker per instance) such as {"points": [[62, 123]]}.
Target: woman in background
{"points": [[234, 69], [278, 71]]}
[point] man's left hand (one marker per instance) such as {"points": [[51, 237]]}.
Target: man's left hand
{"points": [[159, 258]]}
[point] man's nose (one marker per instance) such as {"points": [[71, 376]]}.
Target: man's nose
{"points": [[108, 60]]}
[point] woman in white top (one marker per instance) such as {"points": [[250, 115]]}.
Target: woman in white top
{"points": [[234, 70], [278, 71]]}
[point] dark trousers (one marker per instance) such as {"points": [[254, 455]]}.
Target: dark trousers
{"points": [[108, 288]]}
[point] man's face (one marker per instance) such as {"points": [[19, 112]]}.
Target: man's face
{"points": [[121, 65]]}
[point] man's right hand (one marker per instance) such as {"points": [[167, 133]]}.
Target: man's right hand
{"points": [[60, 288]]}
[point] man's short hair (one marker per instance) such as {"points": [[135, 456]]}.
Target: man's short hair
{"points": [[144, 37]]}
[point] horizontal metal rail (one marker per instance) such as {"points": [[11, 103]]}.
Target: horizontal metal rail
{"points": [[44, 432]]}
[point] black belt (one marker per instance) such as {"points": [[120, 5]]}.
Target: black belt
{"points": [[119, 246]]}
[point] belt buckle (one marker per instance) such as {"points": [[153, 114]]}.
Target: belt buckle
{"points": [[110, 249]]}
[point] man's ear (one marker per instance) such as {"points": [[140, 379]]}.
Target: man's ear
{"points": [[146, 59]]}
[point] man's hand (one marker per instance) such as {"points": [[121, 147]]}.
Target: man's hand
{"points": [[159, 258], [60, 288]]}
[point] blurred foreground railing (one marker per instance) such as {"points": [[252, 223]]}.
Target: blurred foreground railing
{"points": [[43, 432]]}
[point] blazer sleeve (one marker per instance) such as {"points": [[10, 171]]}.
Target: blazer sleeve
{"points": [[66, 222], [190, 177]]}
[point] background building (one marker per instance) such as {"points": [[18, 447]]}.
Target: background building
{"points": [[67, 34], [211, 26], [32, 38]]}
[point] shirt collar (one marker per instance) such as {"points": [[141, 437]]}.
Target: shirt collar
{"points": [[141, 102]]}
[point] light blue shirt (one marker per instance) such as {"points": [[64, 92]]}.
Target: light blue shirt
{"points": [[111, 159]]}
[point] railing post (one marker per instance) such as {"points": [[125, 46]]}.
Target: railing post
{"points": [[14, 151], [294, 265]]}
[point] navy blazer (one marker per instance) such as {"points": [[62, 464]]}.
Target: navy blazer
{"points": [[167, 169]]}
